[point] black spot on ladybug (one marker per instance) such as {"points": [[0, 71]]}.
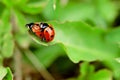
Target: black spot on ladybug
{"points": [[46, 31], [52, 36], [37, 24], [40, 34], [47, 39]]}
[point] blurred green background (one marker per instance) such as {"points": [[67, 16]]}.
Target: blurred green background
{"points": [[86, 44]]}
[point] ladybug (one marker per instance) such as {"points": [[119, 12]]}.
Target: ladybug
{"points": [[44, 31]]}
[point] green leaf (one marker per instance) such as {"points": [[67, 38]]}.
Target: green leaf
{"points": [[101, 75], [6, 42], [1, 33], [106, 9], [113, 36], [48, 54], [3, 72], [70, 12], [20, 21], [5, 17], [7, 3], [9, 75], [23, 40], [97, 11], [1, 60], [33, 8], [4, 22], [8, 45], [13, 3], [83, 42], [114, 66], [87, 72], [85, 69], [2, 7], [19, 2]]}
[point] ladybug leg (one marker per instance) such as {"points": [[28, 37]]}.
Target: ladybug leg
{"points": [[30, 31], [43, 39]]}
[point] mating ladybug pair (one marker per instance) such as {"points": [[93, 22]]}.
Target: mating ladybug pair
{"points": [[44, 31]]}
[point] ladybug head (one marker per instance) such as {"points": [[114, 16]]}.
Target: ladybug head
{"points": [[29, 25]]}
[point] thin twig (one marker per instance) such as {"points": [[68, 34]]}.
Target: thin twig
{"points": [[17, 62], [39, 66], [17, 53]]}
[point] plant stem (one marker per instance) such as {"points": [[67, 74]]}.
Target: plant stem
{"points": [[39, 66], [17, 61], [17, 53]]}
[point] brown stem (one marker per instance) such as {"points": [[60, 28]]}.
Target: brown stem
{"points": [[17, 63], [39, 66], [17, 53]]}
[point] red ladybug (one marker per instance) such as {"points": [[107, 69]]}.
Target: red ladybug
{"points": [[42, 30]]}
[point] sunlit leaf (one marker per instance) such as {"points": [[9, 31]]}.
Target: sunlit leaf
{"points": [[20, 21], [9, 75], [5, 17], [89, 71], [106, 9], [7, 44], [3, 72], [7, 3], [19, 2], [99, 12], [33, 8], [1, 60], [114, 66], [83, 42], [48, 54], [101, 75], [85, 69], [70, 12], [113, 35]]}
